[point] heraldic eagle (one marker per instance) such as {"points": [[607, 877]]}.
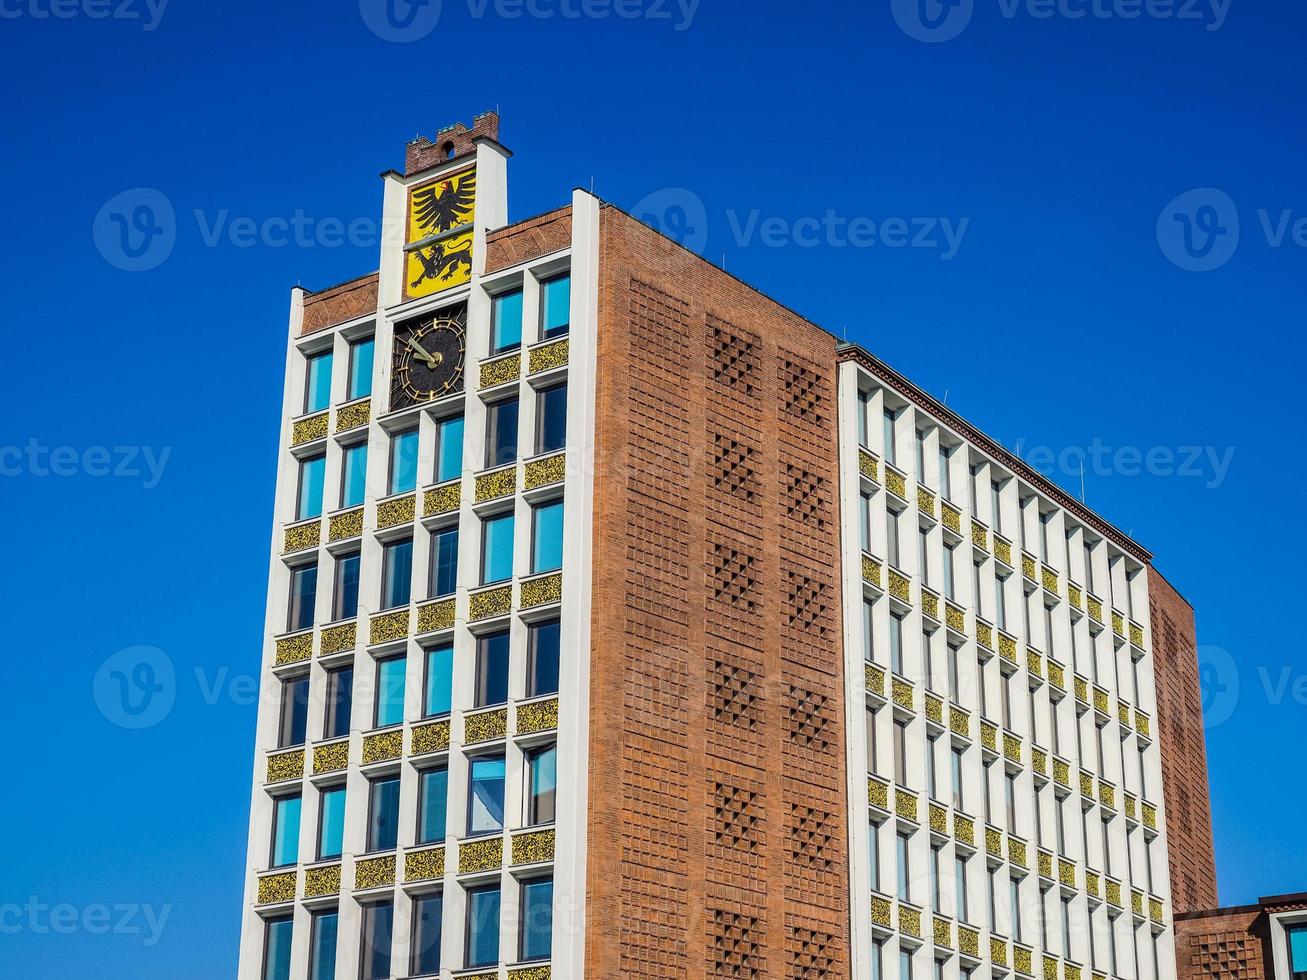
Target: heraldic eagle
{"points": [[444, 205]]}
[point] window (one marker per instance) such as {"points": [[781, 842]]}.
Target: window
{"points": [[892, 537], [345, 597], [864, 520], [317, 382], [904, 877], [444, 563], [870, 735], [551, 418], [322, 945], [535, 941], [492, 669], [360, 368], [433, 801], [497, 549], [389, 708], [285, 830], [995, 506], [873, 846], [991, 894], [427, 913], [905, 965], [555, 306], [1014, 909], [403, 462], [340, 700], [1296, 937], [923, 554], [276, 948], [1011, 801], [449, 449], [954, 676], [960, 888], [1089, 566], [888, 417], [501, 432], [331, 823], [378, 926], [957, 780], [896, 643], [931, 782], [294, 711], [542, 782], [868, 647], [383, 813], [354, 473], [486, 795], [1000, 603], [948, 573], [396, 573], [482, 942], [438, 697], [547, 537], [313, 471], [543, 646], [900, 752], [1066, 928], [936, 903], [864, 411], [975, 479], [1044, 520], [506, 321], [945, 486]]}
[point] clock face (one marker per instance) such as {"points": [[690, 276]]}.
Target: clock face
{"points": [[428, 358]]}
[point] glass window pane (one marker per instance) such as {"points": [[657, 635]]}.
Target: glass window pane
{"points": [[482, 926], [444, 563], [551, 419], [317, 388], [1298, 950], [396, 573], [303, 597], [432, 804], [555, 306], [543, 647], [322, 946], [276, 949], [543, 782], [486, 799], [331, 826], [501, 433], [285, 831], [360, 368], [312, 473], [390, 692], [449, 449], [497, 549], [378, 924], [340, 698], [492, 669], [354, 475], [294, 712], [537, 919], [427, 913], [383, 814], [345, 604], [403, 462], [506, 321], [547, 548], [440, 681]]}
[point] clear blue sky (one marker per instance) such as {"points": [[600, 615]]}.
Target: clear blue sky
{"points": [[1058, 321]]}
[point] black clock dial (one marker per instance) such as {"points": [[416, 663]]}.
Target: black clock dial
{"points": [[428, 358]]}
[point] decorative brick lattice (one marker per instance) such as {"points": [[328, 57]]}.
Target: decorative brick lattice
{"points": [[808, 601], [735, 357], [734, 947], [733, 577], [735, 695], [803, 389], [805, 497], [809, 954], [733, 470]]}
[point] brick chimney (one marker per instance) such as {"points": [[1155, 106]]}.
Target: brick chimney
{"points": [[449, 143]]}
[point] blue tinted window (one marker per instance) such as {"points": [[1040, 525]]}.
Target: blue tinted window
{"points": [[542, 765], [555, 306], [276, 949], [317, 389], [403, 462], [331, 829], [383, 814], [427, 912], [444, 563], [360, 369], [483, 926], [396, 573], [294, 712], [434, 799], [285, 831], [440, 680], [543, 647], [390, 692], [303, 596], [537, 919], [449, 449], [492, 669], [312, 473], [378, 927], [547, 548], [340, 696], [346, 601], [497, 549], [551, 419], [506, 323], [1298, 951], [354, 475], [322, 952], [501, 433], [486, 798]]}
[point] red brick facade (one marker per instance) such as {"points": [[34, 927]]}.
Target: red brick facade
{"points": [[1186, 797], [339, 303], [718, 811]]}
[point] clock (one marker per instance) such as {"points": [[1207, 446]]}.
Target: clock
{"points": [[427, 361]]}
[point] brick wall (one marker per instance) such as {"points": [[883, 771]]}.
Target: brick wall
{"points": [[527, 240], [340, 303], [1184, 752], [717, 836], [1223, 944]]}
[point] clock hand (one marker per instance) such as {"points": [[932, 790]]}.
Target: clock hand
{"points": [[429, 359]]}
